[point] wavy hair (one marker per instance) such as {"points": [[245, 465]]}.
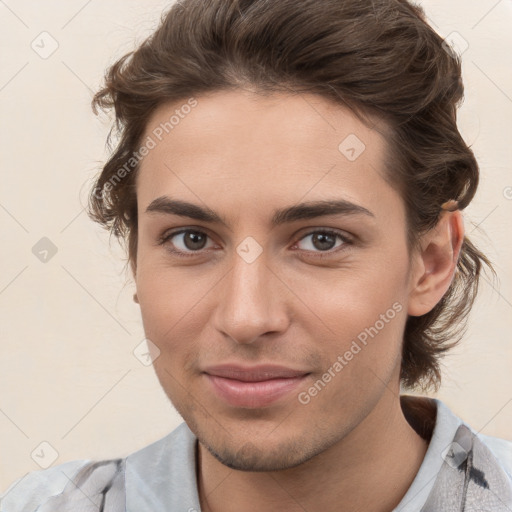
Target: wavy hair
{"points": [[378, 57]]}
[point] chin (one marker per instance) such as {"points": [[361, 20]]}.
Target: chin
{"points": [[253, 458]]}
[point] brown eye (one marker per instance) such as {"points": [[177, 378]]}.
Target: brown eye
{"points": [[194, 240], [323, 241], [185, 241]]}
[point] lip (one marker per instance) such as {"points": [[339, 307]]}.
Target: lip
{"points": [[255, 386]]}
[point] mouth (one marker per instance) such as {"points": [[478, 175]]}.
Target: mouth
{"points": [[253, 387]]}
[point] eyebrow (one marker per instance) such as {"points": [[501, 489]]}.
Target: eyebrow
{"points": [[302, 211]]}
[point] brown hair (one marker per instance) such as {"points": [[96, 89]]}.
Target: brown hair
{"points": [[380, 58]]}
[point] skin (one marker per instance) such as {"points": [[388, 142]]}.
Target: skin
{"points": [[244, 155]]}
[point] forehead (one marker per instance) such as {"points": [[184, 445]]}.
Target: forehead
{"points": [[248, 148]]}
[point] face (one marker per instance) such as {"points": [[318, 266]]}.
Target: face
{"points": [[245, 278]]}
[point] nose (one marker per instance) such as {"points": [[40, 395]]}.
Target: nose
{"points": [[252, 302]]}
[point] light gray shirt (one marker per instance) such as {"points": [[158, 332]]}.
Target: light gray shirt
{"points": [[461, 471]]}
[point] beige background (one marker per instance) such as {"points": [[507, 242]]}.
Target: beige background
{"points": [[68, 375]]}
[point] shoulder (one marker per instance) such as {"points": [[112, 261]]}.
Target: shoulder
{"points": [[502, 451], [28, 492], [64, 487], [86, 484]]}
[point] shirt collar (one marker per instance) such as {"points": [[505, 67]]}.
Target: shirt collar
{"points": [[162, 476], [445, 428]]}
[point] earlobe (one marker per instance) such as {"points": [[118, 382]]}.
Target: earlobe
{"points": [[436, 263]]}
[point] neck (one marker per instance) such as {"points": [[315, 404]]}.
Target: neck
{"points": [[369, 469]]}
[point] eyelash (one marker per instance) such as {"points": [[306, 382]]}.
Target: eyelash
{"points": [[316, 254]]}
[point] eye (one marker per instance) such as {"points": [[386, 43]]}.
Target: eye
{"points": [[323, 241], [187, 241]]}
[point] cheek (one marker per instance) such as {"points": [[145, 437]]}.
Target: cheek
{"points": [[169, 299], [362, 336], [360, 363], [346, 300], [359, 316]]}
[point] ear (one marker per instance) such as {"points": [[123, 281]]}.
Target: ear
{"points": [[435, 263]]}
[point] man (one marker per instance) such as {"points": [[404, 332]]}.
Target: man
{"points": [[289, 178]]}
